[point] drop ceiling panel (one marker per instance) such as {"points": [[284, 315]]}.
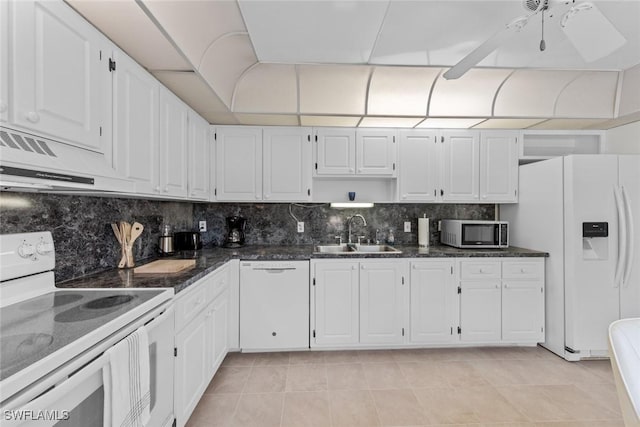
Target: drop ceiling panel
{"points": [[532, 93], [195, 25], [400, 91], [450, 123], [507, 123], [471, 95], [192, 90], [592, 94], [568, 124], [267, 88], [267, 119], [333, 89], [225, 61], [126, 24], [335, 121], [313, 31], [389, 122]]}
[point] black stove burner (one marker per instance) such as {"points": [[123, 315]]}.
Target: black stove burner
{"points": [[16, 348], [47, 303], [108, 302]]}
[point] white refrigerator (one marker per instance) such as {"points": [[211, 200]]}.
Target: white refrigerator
{"points": [[584, 211]]}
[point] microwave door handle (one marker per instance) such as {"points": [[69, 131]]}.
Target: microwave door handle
{"points": [[622, 238], [496, 237], [631, 241]]}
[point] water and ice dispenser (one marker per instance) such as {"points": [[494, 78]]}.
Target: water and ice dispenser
{"points": [[595, 240]]}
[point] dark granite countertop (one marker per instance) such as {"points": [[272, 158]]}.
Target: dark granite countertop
{"points": [[208, 260]]}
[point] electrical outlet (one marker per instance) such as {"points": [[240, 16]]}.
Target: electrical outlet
{"points": [[300, 227], [202, 226], [407, 226], [439, 225]]}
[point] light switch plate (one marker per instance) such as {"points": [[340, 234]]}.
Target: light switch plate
{"points": [[407, 226], [202, 226], [300, 227]]}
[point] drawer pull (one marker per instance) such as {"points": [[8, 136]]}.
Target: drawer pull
{"points": [[482, 270], [522, 270]]}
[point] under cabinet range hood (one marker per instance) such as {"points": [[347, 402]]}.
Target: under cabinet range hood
{"points": [[33, 163]]}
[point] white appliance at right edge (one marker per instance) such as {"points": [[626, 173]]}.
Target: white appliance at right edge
{"points": [[584, 211]]}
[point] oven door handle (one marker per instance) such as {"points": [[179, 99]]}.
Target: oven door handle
{"points": [[63, 397]]}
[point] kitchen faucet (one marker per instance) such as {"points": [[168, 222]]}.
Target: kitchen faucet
{"points": [[349, 221]]}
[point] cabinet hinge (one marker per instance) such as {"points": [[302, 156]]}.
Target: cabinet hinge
{"points": [[309, 138], [402, 331], [459, 290], [316, 138], [175, 351], [459, 330], [308, 191], [112, 65], [314, 281], [175, 423], [452, 330], [442, 139], [215, 191], [541, 290], [100, 130], [314, 333], [403, 280], [215, 136], [394, 139], [515, 192], [541, 328], [435, 192], [441, 192], [394, 166], [316, 166], [452, 272], [100, 55]]}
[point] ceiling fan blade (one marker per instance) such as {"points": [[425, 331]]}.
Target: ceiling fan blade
{"points": [[482, 51], [590, 32]]}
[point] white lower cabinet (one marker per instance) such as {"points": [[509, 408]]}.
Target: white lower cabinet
{"points": [[433, 302], [202, 317], [357, 303], [480, 311]]}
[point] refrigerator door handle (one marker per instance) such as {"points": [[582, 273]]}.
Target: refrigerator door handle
{"points": [[622, 237], [631, 243]]}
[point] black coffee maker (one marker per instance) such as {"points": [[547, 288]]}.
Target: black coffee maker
{"points": [[235, 232]]}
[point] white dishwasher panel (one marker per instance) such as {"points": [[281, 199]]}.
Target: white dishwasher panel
{"points": [[274, 305]]}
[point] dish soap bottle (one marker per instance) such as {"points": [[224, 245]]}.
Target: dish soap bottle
{"points": [[391, 239]]}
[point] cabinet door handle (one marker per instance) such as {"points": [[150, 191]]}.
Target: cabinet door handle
{"points": [[482, 270], [33, 117], [166, 189], [497, 286], [266, 196], [157, 189], [506, 286], [257, 196], [522, 270]]}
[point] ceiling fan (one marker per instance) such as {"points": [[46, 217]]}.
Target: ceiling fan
{"points": [[585, 26]]}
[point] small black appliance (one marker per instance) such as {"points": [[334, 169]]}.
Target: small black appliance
{"points": [[235, 232]]}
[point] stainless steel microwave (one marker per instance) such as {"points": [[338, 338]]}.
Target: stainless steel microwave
{"points": [[463, 233]]}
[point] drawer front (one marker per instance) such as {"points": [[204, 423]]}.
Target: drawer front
{"points": [[218, 283], [191, 304], [474, 270], [523, 269]]}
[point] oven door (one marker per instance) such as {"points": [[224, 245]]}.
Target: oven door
{"points": [[78, 401], [480, 235]]}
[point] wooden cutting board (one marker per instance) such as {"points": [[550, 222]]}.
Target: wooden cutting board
{"points": [[164, 266]]}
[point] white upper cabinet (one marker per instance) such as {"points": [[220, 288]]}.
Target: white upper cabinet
{"points": [[286, 164], [199, 157], [419, 166], [4, 61], [461, 163], [433, 303], [239, 163], [135, 116], [335, 151], [61, 76], [381, 302], [498, 166], [376, 152], [173, 145]]}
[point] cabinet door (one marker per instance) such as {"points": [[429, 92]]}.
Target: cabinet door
{"points": [[433, 302], [218, 332], [239, 163], [498, 167], [60, 75], [522, 311], [381, 302], [336, 303], [461, 161], [192, 366], [287, 164], [4, 61], [480, 309], [199, 155], [335, 151], [419, 166], [173, 144], [376, 152], [136, 112]]}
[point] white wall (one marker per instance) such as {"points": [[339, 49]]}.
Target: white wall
{"points": [[623, 139]]}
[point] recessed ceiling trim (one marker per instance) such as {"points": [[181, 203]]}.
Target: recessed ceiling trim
{"points": [[495, 96], [235, 87], [559, 94], [380, 28], [616, 102], [222, 37], [366, 93], [433, 85]]}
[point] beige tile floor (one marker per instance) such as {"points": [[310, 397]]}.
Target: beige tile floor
{"points": [[512, 386]]}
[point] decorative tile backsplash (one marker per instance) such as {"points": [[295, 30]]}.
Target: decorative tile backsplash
{"points": [[85, 242]]}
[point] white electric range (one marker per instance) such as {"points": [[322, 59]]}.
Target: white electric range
{"points": [[52, 341]]}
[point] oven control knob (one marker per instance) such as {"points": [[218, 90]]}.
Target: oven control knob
{"points": [[44, 248], [26, 250]]}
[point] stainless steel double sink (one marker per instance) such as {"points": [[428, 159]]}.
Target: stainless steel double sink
{"points": [[355, 249]]}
